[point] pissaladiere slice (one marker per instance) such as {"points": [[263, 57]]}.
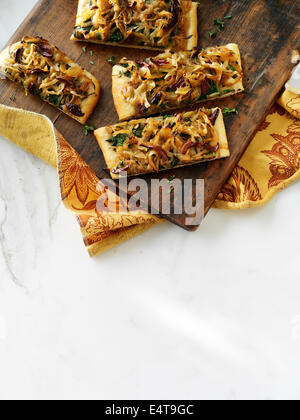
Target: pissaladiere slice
{"points": [[146, 24], [176, 80], [160, 143], [43, 70]]}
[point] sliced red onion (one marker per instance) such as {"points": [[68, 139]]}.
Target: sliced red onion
{"points": [[188, 146], [18, 54], [211, 148], [159, 150], [159, 62], [142, 109], [68, 82], [175, 10], [75, 110], [213, 118], [36, 71], [45, 50], [205, 87], [180, 83], [142, 63], [118, 171], [31, 88], [156, 99]]}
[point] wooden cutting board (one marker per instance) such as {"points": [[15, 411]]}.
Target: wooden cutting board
{"points": [[267, 31]]}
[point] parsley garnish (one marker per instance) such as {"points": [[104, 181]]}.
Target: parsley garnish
{"points": [[54, 99], [87, 129], [118, 140], [111, 60], [228, 111], [174, 162], [116, 36], [220, 24], [138, 131]]}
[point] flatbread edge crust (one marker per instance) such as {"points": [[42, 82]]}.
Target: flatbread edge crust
{"points": [[124, 109], [190, 26]]}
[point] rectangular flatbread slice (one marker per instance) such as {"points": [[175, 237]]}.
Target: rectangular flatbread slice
{"points": [[146, 24], [43, 70], [161, 143], [175, 80]]}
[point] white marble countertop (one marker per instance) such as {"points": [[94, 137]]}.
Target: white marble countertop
{"points": [[214, 314]]}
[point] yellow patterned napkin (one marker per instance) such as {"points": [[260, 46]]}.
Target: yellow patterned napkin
{"points": [[270, 163]]}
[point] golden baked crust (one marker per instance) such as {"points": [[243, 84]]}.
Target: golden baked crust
{"points": [[152, 24], [161, 143], [125, 109], [189, 26], [43, 70]]}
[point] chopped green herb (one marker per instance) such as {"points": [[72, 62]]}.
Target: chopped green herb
{"points": [[116, 36], [226, 91], [118, 140], [54, 99], [139, 130], [228, 111], [213, 88], [111, 60], [84, 49], [87, 129], [174, 162], [220, 24]]}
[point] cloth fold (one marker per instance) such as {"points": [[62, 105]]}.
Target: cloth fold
{"points": [[270, 163]]}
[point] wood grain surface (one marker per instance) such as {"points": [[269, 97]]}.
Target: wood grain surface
{"points": [[267, 31]]}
